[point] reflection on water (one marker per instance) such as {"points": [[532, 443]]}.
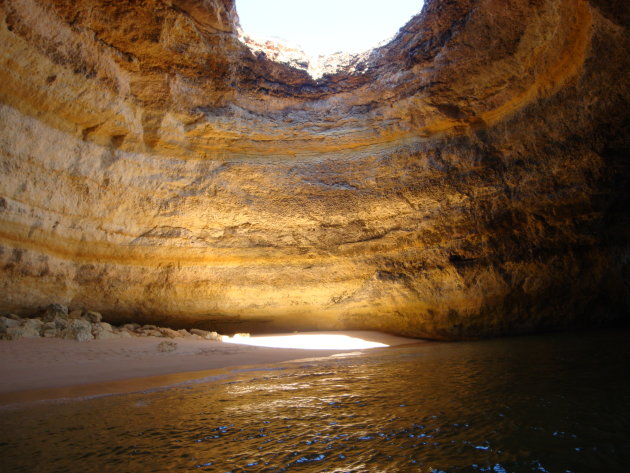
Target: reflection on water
{"points": [[556, 403]]}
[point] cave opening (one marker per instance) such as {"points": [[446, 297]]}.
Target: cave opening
{"points": [[327, 27]]}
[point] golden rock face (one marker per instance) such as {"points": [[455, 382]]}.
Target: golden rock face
{"points": [[468, 179]]}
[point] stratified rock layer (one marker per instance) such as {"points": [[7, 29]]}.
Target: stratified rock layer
{"points": [[468, 179]]}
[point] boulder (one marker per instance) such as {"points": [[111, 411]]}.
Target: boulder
{"points": [[205, 334], [78, 329], [27, 328], [103, 331], [124, 333], [54, 310], [6, 322], [15, 333], [61, 323], [49, 330], [32, 324]]}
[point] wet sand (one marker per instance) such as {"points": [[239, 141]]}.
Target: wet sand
{"points": [[45, 369]]}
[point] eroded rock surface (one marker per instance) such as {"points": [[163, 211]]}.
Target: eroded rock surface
{"points": [[468, 179]]}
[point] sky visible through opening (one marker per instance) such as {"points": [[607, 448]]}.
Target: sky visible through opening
{"points": [[326, 26]]}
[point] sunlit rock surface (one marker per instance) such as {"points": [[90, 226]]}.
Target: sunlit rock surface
{"points": [[468, 179]]}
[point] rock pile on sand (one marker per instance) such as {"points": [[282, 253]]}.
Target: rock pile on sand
{"points": [[83, 325]]}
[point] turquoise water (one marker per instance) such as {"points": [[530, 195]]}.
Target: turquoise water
{"points": [[551, 403]]}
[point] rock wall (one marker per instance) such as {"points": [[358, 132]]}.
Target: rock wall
{"points": [[468, 179]]}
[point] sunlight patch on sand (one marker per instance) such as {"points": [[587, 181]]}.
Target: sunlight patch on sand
{"points": [[306, 342]]}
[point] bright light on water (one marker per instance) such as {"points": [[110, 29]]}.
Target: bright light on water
{"points": [[326, 26], [307, 342]]}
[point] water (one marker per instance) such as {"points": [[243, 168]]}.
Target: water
{"points": [[552, 403]]}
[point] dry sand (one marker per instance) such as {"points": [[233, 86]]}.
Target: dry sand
{"points": [[48, 368]]}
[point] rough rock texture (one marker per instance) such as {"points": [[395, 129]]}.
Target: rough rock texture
{"points": [[468, 179]]}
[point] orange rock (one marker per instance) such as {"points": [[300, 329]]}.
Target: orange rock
{"points": [[467, 179]]}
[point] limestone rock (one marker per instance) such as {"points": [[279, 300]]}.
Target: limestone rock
{"points": [[6, 322], [26, 328], [55, 311], [205, 334], [468, 179], [33, 324], [79, 330], [51, 330], [103, 331], [61, 323], [93, 317]]}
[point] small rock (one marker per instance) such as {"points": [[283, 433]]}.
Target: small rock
{"points": [[167, 346], [123, 333], [55, 310], [131, 327], [93, 317], [169, 332], [14, 317], [78, 329], [183, 332], [103, 331], [201, 333], [150, 327], [241, 335], [205, 334], [105, 335], [106, 326]]}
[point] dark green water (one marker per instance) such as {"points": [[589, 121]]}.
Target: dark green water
{"points": [[553, 403]]}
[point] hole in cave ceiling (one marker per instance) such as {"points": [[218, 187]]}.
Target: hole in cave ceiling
{"points": [[325, 27]]}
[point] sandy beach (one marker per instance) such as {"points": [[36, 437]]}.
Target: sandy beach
{"points": [[45, 369]]}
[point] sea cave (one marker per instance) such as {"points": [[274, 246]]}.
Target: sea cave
{"points": [[464, 187]]}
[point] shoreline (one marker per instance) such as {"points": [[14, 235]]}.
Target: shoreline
{"points": [[34, 370]]}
